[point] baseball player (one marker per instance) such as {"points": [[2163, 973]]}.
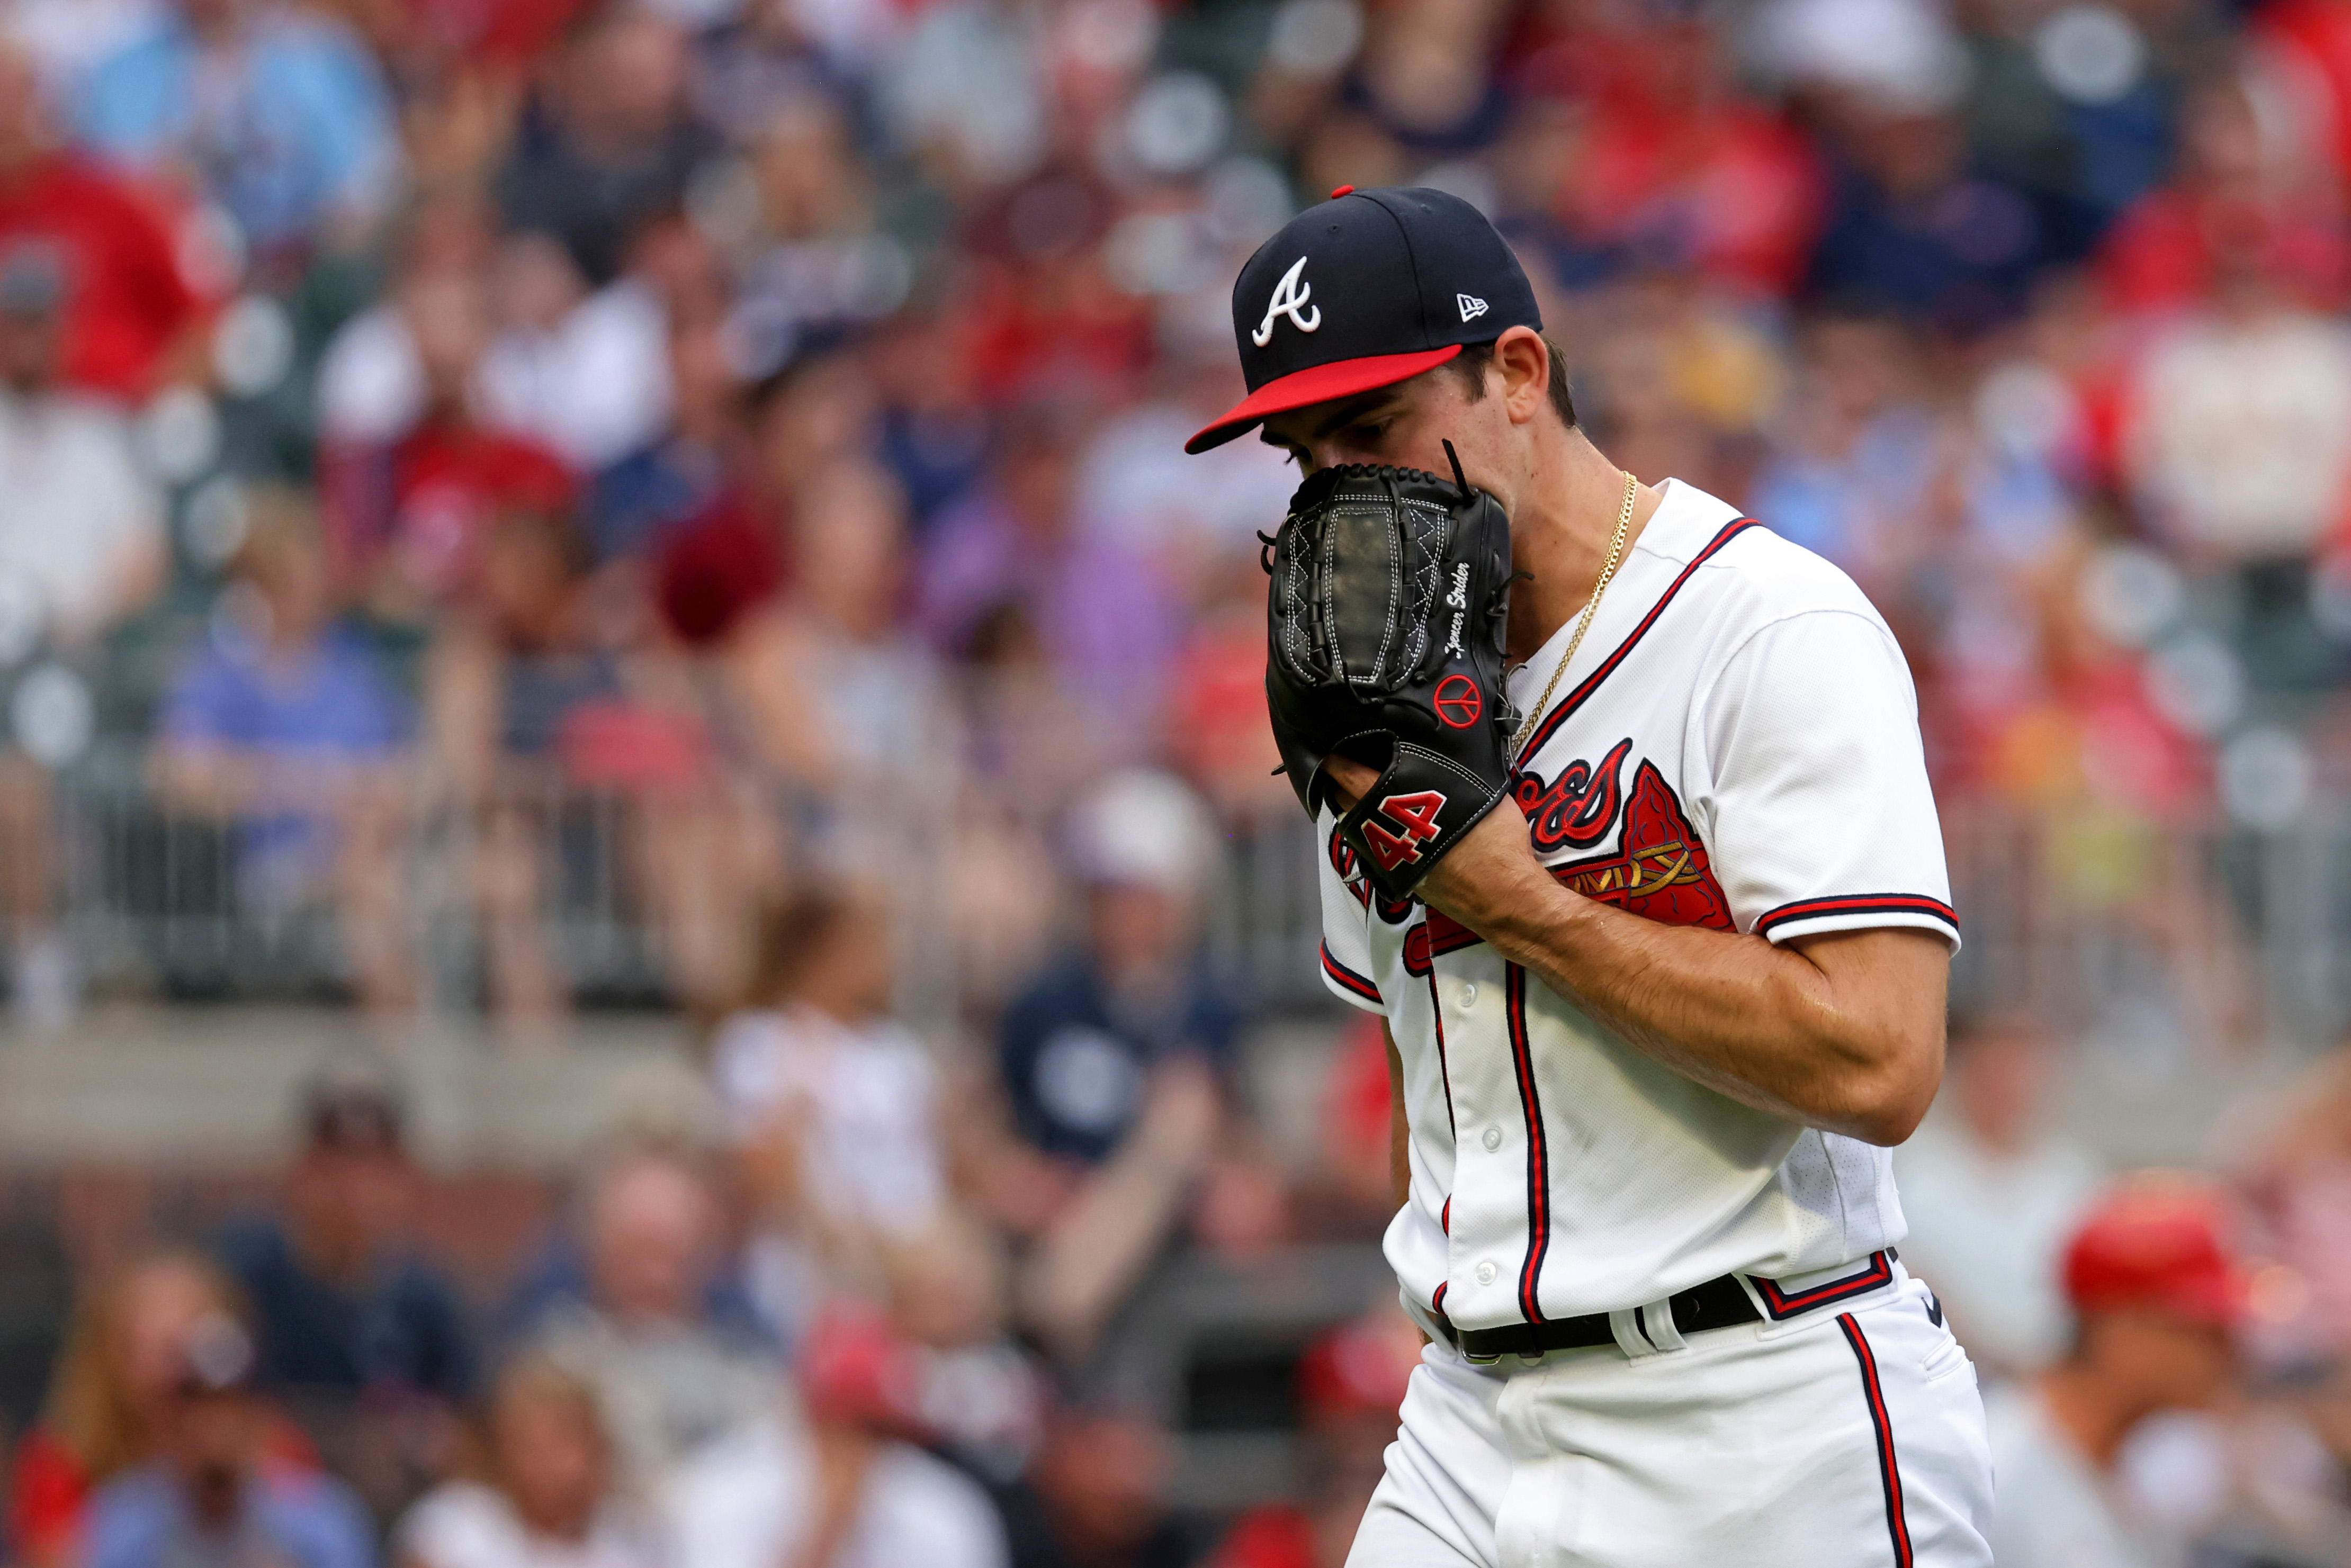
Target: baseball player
{"points": [[1629, 838]]}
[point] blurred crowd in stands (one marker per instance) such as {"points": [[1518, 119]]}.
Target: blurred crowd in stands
{"points": [[763, 417]]}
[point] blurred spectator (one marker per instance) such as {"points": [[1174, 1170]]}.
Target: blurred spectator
{"points": [[835, 685], [585, 373], [2155, 1293], [1858, 450], [734, 557], [129, 318], [531, 705], [669, 1378], [82, 548], [214, 1495], [111, 1399], [1103, 616], [610, 143], [1111, 1067], [1351, 1385], [1911, 225], [2246, 199], [286, 721], [637, 498], [277, 114], [1993, 1197], [411, 487], [982, 1397], [1095, 1497], [357, 1333], [831, 1481], [1348, 1192], [546, 1494], [832, 1105], [812, 262], [2292, 1160]]}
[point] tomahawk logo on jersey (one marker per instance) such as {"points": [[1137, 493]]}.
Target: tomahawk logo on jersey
{"points": [[1736, 748]]}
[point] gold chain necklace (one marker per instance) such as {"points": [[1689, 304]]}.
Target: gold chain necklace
{"points": [[1583, 622]]}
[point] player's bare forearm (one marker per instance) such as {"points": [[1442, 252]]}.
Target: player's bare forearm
{"points": [[1843, 1032]]}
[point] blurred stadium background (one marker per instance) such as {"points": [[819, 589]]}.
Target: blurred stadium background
{"points": [[635, 852]]}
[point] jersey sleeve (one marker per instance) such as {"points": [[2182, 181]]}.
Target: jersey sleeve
{"points": [[1346, 955], [1821, 815]]}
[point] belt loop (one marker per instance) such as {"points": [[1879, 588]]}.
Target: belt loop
{"points": [[1657, 1323], [1625, 1325]]}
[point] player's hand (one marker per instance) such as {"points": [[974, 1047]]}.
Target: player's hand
{"points": [[1491, 873]]}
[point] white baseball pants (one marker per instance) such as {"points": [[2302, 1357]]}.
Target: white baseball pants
{"points": [[1849, 1438]]}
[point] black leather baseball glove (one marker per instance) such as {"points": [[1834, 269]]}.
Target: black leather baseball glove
{"points": [[1384, 622]]}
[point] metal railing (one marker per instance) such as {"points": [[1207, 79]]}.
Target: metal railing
{"points": [[2089, 923]]}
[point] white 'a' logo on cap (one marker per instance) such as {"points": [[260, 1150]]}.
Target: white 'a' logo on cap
{"points": [[1290, 298], [1471, 306]]}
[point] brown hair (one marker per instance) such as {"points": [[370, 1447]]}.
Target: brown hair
{"points": [[89, 1409], [793, 932], [1470, 364]]}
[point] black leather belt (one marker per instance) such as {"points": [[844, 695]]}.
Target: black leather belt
{"points": [[1717, 1305]]}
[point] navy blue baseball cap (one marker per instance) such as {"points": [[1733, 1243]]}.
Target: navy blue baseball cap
{"points": [[1363, 290]]}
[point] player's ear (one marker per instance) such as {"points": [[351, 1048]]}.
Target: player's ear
{"points": [[1523, 362]]}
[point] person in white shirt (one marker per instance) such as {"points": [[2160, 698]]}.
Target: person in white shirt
{"points": [[1992, 1195], [82, 546], [830, 1104], [547, 1496], [2155, 1292], [788, 1491]]}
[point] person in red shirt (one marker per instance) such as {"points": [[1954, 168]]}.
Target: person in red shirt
{"points": [[133, 321], [110, 1395], [405, 517]]}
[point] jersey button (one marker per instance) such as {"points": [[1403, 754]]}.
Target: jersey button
{"points": [[1469, 996], [1493, 1140], [1485, 1272]]}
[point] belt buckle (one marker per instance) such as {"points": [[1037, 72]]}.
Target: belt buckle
{"points": [[1474, 1359]]}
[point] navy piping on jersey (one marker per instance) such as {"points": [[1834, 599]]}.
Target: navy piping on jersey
{"points": [[1858, 904], [1538, 1151], [1444, 1074], [1878, 1272], [1889, 1473], [1347, 979], [1575, 698]]}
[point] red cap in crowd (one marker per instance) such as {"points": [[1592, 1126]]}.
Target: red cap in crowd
{"points": [[2158, 1240]]}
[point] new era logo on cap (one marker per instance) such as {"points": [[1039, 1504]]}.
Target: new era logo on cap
{"points": [[1368, 289]]}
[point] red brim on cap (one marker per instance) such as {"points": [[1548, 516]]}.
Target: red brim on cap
{"points": [[1318, 384]]}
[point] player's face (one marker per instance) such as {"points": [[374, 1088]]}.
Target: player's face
{"points": [[1402, 424], [1405, 425]]}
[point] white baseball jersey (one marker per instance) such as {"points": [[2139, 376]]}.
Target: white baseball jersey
{"points": [[1736, 747]]}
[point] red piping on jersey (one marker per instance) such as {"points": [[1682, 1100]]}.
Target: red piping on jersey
{"points": [[1347, 979], [1859, 903], [1575, 698], [1514, 984], [1878, 1271], [1889, 1473], [1444, 1075]]}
